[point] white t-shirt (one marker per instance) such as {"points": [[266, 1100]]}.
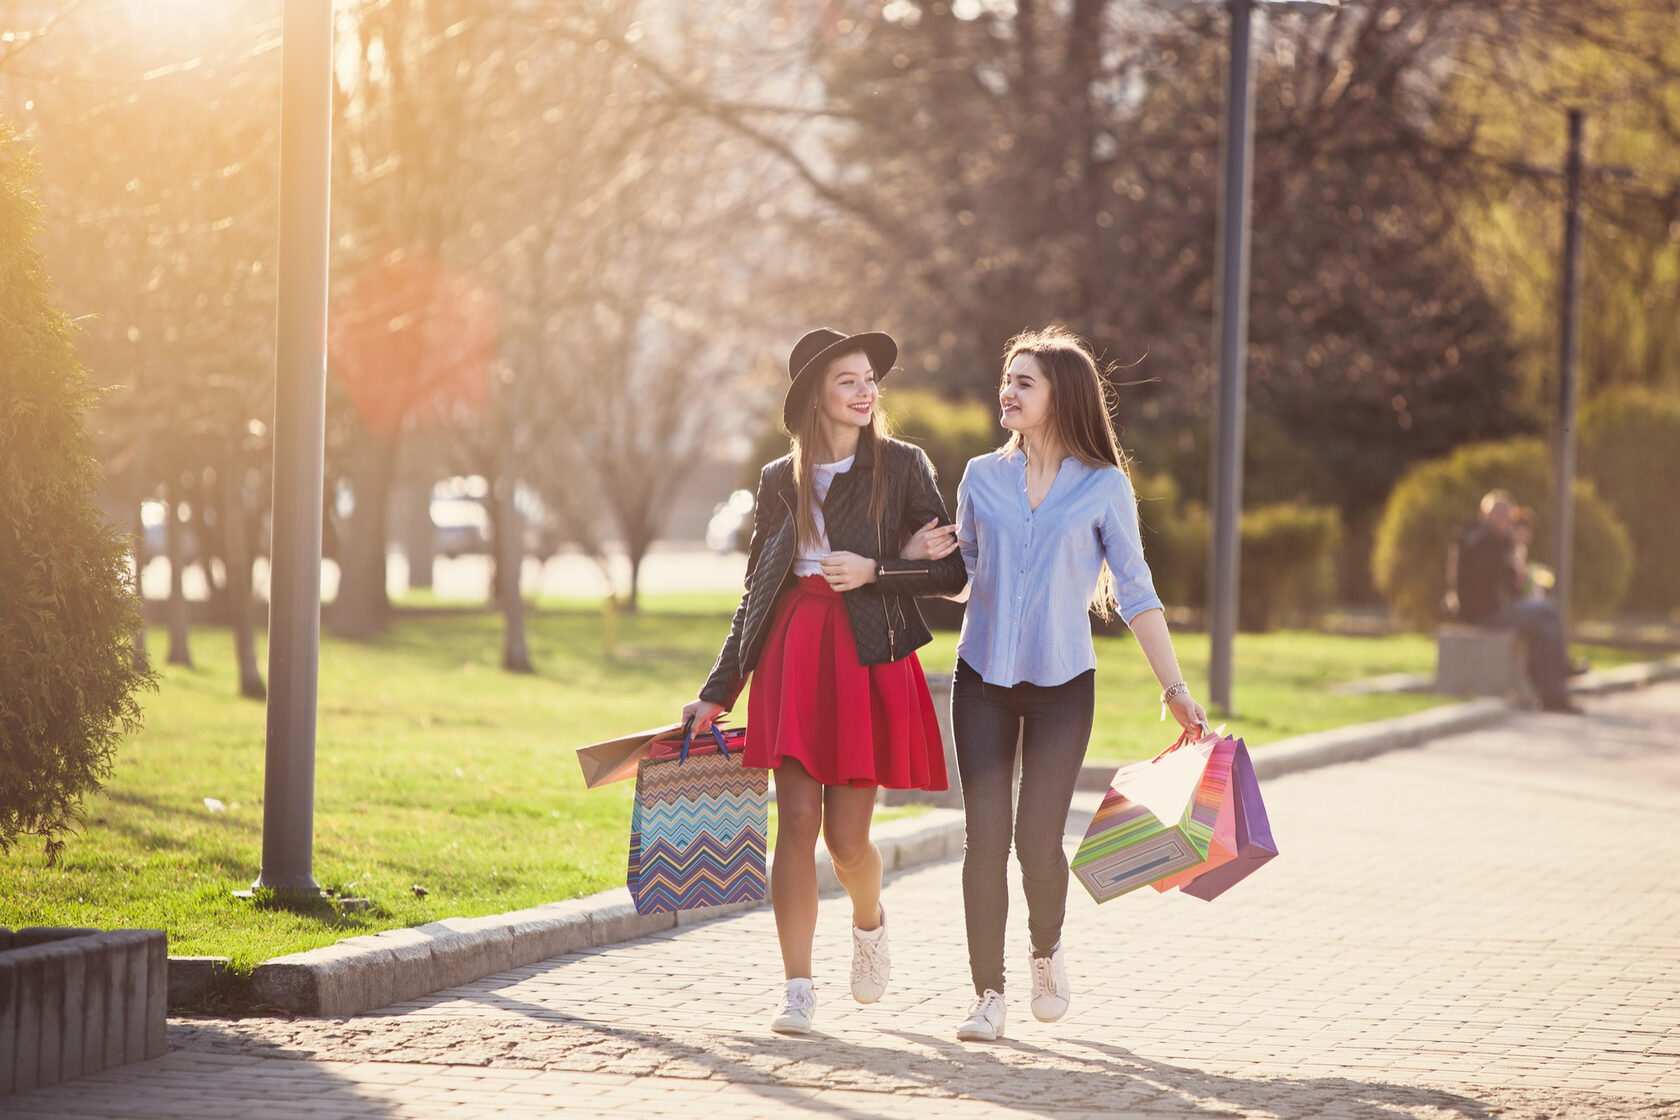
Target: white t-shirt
{"points": [[807, 562]]}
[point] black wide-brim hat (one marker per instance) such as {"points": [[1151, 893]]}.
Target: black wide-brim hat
{"points": [[812, 354]]}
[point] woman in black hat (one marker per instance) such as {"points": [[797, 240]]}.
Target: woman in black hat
{"points": [[828, 628]]}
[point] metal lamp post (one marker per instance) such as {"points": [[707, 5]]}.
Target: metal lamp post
{"points": [[294, 613], [1569, 354], [1231, 342]]}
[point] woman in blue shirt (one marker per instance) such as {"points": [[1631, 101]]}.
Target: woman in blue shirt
{"points": [[1048, 529]]}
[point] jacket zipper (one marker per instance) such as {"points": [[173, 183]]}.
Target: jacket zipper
{"points": [[892, 642], [767, 614]]}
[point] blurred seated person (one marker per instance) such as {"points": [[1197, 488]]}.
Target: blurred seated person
{"points": [[1484, 589]]}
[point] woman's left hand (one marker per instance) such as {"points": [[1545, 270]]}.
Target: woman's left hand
{"points": [[932, 541], [846, 571], [1189, 714]]}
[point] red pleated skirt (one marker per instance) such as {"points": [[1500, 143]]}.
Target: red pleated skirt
{"points": [[847, 723]]}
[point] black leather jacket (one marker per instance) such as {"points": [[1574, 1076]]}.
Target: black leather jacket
{"points": [[885, 621]]}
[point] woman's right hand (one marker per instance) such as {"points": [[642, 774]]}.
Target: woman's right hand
{"points": [[702, 713], [1190, 715], [932, 541]]}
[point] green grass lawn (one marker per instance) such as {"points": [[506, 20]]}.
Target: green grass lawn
{"points": [[435, 768]]}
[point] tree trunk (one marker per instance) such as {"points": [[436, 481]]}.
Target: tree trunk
{"points": [[179, 652], [142, 660], [510, 548], [362, 608], [418, 534], [212, 546], [635, 551], [237, 557]]}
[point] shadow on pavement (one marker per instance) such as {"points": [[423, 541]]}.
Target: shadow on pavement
{"points": [[183, 1083], [1077, 1075]]}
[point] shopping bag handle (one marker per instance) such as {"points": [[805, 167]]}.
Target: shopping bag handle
{"points": [[688, 739], [1185, 736]]}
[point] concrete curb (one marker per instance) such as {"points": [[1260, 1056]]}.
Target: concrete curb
{"points": [[1363, 740], [1626, 677], [363, 973], [376, 970]]}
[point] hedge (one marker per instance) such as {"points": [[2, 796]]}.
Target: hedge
{"points": [[1630, 448], [1287, 574]]}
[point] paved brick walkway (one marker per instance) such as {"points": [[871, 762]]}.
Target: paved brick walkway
{"points": [[1489, 926]]}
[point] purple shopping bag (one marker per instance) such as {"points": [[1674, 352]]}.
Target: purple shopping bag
{"points": [[1253, 833]]}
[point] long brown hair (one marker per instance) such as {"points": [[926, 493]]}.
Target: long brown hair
{"points": [[1081, 415], [806, 437], [1081, 405]]}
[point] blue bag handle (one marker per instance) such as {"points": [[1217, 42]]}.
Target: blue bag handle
{"points": [[688, 740]]}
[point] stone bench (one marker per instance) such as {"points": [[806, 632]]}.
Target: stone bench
{"points": [[77, 1001], [1483, 661]]}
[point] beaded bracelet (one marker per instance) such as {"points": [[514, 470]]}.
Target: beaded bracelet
{"points": [[1168, 693]]}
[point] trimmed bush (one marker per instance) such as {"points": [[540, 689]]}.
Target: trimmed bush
{"points": [[67, 610], [1434, 500], [1288, 570], [1288, 574], [1630, 448]]}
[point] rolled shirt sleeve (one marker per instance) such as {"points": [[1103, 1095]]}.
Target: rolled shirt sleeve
{"points": [[1122, 543]]}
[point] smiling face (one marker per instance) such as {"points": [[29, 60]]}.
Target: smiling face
{"points": [[849, 393], [1025, 397]]}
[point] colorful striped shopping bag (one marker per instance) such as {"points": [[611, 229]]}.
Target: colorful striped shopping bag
{"points": [[1251, 833], [697, 832], [1157, 819]]}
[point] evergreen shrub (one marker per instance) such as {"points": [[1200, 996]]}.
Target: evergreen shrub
{"points": [[67, 610]]}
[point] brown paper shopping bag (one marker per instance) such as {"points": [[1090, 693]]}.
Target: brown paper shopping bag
{"points": [[615, 759]]}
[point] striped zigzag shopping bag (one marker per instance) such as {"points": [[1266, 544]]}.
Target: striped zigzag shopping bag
{"points": [[1157, 818], [697, 832]]}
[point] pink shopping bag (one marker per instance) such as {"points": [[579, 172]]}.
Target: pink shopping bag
{"points": [[1252, 833], [1222, 845]]}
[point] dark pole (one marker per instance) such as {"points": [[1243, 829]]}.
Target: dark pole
{"points": [[1569, 355], [294, 613], [1232, 345]]}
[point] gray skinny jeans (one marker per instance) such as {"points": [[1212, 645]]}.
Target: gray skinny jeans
{"points": [[1053, 725]]}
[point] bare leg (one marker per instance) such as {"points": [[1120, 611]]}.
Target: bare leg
{"points": [[793, 875], [847, 813]]}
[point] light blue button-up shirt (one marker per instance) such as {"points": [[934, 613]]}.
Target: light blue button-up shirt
{"points": [[1032, 572]]}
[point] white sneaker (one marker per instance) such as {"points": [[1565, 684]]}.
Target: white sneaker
{"points": [[985, 1019], [799, 1006], [871, 962], [1050, 986]]}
